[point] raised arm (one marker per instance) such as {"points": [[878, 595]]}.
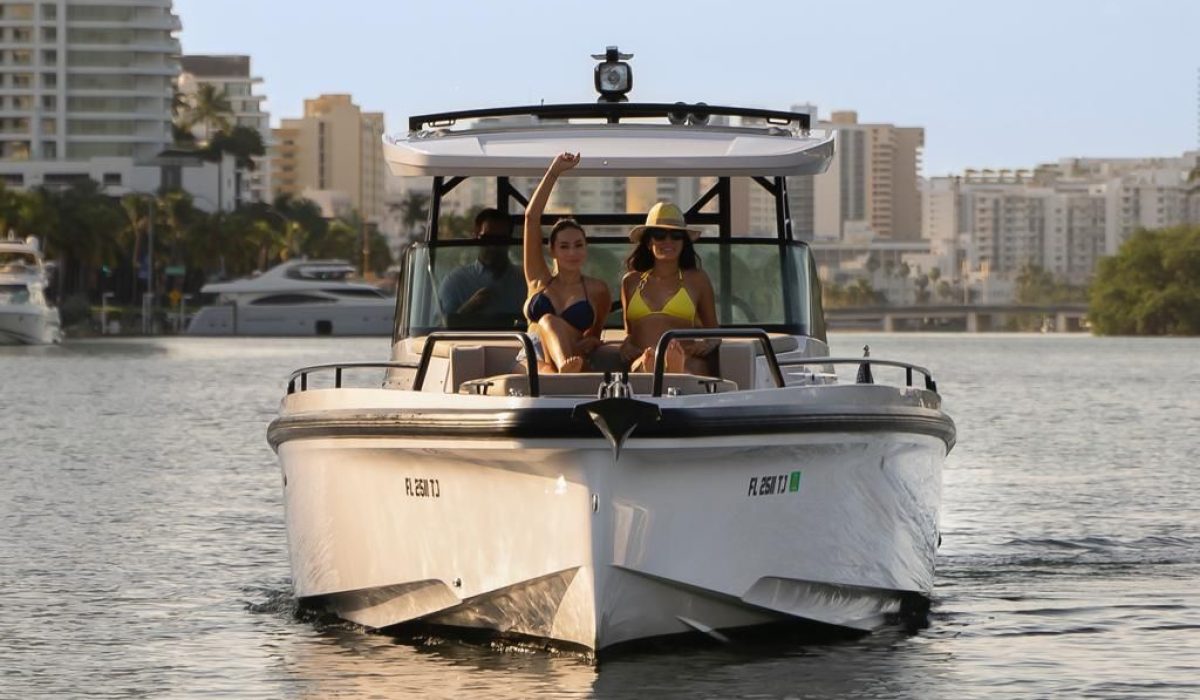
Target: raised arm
{"points": [[535, 258]]}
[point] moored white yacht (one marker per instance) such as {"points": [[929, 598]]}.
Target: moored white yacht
{"points": [[296, 298], [26, 316], [595, 509]]}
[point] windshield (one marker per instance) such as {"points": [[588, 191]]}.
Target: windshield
{"points": [[755, 285], [14, 294], [16, 258]]}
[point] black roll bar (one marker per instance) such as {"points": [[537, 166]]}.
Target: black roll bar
{"points": [[908, 368], [660, 351], [478, 336], [337, 367], [612, 112]]}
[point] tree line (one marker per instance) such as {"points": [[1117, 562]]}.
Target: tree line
{"points": [[101, 243], [1151, 286]]}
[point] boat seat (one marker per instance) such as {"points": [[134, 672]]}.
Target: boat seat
{"points": [[588, 384], [738, 358], [471, 362]]}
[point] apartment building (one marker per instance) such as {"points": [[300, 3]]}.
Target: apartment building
{"points": [[85, 90], [871, 188], [1062, 217], [336, 147], [230, 75]]}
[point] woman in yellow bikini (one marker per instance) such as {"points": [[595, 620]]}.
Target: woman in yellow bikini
{"points": [[665, 289]]}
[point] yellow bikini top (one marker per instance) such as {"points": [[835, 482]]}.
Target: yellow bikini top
{"points": [[680, 305]]}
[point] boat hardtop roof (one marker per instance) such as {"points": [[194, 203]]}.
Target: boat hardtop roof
{"points": [[667, 139], [289, 276], [19, 257]]}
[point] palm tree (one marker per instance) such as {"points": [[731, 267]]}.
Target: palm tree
{"points": [[922, 282], [211, 109], [414, 209], [242, 142]]}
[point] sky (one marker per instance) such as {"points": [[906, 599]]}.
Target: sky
{"points": [[994, 84]]}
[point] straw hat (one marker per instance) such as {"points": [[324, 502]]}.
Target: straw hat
{"points": [[664, 215]]}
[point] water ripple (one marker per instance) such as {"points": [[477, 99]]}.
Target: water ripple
{"points": [[143, 549]]}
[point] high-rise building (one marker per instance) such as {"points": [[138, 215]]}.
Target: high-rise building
{"points": [[336, 147], [1061, 217], [230, 75], [85, 90], [871, 188]]}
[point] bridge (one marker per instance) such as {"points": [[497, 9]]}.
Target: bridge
{"points": [[973, 318]]}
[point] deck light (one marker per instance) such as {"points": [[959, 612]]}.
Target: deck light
{"points": [[614, 77]]}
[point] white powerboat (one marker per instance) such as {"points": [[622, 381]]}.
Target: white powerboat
{"points": [[26, 317], [296, 298], [597, 509]]}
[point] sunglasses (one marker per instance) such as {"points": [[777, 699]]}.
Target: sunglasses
{"points": [[662, 234]]}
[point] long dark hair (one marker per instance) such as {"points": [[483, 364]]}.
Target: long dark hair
{"points": [[641, 259], [565, 225]]}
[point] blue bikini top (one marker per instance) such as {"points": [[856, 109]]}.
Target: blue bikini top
{"points": [[580, 314]]}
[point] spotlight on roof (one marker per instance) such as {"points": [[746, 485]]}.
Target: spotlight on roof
{"points": [[678, 116], [614, 77]]}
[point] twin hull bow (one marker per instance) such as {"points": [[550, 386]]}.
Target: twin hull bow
{"points": [[553, 538]]}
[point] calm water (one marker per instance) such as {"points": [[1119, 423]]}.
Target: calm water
{"points": [[142, 547]]}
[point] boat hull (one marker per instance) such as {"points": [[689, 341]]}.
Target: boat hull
{"points": [[29, 325], [561, 539], [344, 319]]}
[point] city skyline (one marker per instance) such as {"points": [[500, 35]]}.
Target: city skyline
{"points": [[1004, 86]]}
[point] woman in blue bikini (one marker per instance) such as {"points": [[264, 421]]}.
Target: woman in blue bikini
{"points": [[566, 310]]}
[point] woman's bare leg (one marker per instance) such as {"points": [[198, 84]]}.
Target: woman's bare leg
{"points": [[558, 339], [675, 359]]}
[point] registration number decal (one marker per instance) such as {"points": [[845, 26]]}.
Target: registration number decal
{"points": [[422, 488], [774, 484]]}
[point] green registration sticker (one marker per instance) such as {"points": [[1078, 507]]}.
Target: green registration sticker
{"points": [[794, 482]]}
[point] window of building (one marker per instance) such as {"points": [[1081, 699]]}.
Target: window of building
{"points": [[14, 125], [112, 179], [49, 33], [102, 82], [102, 104], [49, 127], [49, 11], [64, 179], [49, 150], [100, 13], [14, 150], [16, 11], [49, 102], [84, 151], [49, 80], [49, 57], [13, 179], [100, 127]]}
